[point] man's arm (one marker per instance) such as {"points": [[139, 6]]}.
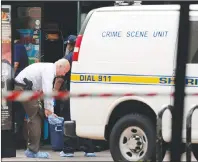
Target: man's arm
{"points": [[58, 83], [47, 86], [69, 57]]}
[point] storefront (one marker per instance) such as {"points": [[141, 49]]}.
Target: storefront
{"points": [[35, 21], [42, 26]]}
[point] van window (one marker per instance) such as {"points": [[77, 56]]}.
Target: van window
{"points": [[193, 44]]}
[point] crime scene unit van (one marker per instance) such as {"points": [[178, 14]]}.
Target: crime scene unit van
{"points": [[130, 49]]}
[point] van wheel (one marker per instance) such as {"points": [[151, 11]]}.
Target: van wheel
{"points": [[132, 138], [195, 151]]}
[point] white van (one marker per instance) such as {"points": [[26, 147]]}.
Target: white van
{"points": [[130, 49]]}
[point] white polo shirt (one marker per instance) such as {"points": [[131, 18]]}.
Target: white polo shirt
{"points": [[42, 76]]}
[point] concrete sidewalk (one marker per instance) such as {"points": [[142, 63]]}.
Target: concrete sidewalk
{"points": [[79, 156]]}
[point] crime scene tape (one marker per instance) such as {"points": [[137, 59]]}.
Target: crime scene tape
{"points": [[31, 95]]}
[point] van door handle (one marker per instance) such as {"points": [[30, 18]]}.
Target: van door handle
{"points": [[174, 72]]}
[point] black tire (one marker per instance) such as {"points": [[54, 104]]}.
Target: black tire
{"points": [[141, 121], [195, 151]]}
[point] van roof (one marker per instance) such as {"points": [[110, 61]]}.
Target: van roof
{"points": [[194, 7], [145, 8], [140, 8]]}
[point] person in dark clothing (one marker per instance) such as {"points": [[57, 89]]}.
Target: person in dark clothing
{"points": [[20, 62], [69, 46], [68, 55], [64, 84], [20, 55]]}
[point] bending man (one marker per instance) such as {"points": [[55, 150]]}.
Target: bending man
{"points": [[41, 75]]}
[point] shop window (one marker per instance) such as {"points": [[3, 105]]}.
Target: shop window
{"points": [[29, 17]]}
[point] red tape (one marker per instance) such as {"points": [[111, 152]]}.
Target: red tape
{"points": [[15, 95], [62, 95], [196, 94], [36, 95]]}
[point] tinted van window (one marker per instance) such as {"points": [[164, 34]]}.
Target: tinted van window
{"points": [[193, 46]]}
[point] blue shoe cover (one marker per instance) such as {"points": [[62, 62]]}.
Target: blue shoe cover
{"points": [[31, 154], [62, 154], [90, 154], [42, 155]]}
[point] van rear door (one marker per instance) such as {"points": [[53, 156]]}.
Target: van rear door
{"points": [[192, 71]]}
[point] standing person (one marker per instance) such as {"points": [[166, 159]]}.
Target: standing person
{"points": [[64, 84], [39, 77], [69, 43], [20, 62], [20, 55]]}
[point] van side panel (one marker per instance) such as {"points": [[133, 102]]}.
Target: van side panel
{"points": [[124, 52], [123, 33]]}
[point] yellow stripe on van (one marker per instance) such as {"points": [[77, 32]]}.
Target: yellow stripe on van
{"points": [[135, 79], [114, 79], [129, 79]]}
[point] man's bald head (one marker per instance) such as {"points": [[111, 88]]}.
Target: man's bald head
{"points": [[62, 67]]}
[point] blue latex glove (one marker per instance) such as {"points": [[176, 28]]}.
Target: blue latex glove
{"points": [[55, 120]]}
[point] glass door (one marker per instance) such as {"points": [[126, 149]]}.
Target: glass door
{"points": [[29, 26]]}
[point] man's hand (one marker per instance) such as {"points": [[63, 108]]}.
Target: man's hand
{"points": [[16, 65], [48, 112]]}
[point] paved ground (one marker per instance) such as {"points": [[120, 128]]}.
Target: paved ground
{"points": [[79, 156]]}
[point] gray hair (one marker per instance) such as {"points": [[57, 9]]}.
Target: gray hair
{"points": [[62, 62]]}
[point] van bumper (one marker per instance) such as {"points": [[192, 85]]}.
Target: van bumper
{"points": [[70, 128]]}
